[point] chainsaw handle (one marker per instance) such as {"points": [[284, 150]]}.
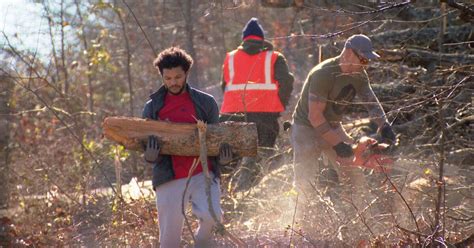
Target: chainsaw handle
{"points": [[373, 145]]}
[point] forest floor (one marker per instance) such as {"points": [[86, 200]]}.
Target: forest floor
{"points": [[269, 215]]}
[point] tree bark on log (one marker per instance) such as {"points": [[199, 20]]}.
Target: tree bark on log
{"points": [[182, 138]]}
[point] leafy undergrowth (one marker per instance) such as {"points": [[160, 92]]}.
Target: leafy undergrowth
{"points": [[268, 216], [271, 214]]}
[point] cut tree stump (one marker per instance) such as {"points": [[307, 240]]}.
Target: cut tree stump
{"points": [[182, 138]]}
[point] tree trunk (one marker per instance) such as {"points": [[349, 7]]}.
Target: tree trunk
{"points": [[87, 59], [189, 26], [128, 56], [6, 86], [55, 78], [63, 51], [182, 138]]}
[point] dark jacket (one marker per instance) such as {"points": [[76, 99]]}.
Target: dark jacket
{"points": [[282, 74], [206, 110]]}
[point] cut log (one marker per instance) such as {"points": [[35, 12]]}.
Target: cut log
{"points": [[182, 138]]}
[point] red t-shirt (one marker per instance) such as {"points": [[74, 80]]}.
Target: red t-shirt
{"points": [[180, 108]]}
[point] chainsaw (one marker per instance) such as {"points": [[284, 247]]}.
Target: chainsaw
{"points": [[369, 153]]}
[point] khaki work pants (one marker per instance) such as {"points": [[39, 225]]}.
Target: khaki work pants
{"points": [[307, 151], [170, 216]]}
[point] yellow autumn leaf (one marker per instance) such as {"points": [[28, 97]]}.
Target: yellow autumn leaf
{"points": [[291, 192], [104, 33]]}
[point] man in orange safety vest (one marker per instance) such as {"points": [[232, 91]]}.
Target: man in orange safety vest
{"points": [[257, 86]]}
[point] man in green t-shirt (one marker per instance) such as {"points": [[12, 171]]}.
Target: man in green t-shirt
{"points": [[327, 93]]}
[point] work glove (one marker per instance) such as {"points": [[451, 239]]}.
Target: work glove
{"points": [[225, 154], [152, 149], [343, 150], [286, 125], [370, 129], [387, 134]]}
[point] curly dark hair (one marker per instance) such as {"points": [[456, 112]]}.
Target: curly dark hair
{"points": [[173, 57]]}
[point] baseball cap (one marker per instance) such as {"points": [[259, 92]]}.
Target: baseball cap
{"points": [[362, 45]]}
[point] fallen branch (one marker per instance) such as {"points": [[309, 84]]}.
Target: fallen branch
{"points": [[467, 11], [466, 242], [202, 130], [425, 57], [419, 234], [183, 199], [403, 199], [413, 36]]}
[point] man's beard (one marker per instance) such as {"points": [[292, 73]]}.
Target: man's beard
{"points": [[179, 92]]}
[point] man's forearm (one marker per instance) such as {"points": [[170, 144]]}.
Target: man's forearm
{"points": [[331, 135], [323, 129], [321, 126], [343, 134]]}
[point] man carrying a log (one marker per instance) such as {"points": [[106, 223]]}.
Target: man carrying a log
{"points": [[327, 93], [257, 87], [176, 101]]}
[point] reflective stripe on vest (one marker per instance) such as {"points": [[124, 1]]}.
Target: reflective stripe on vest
{"points": [[268, 68], [258, 86], [231, 66], [253, 86], [245, 94]]}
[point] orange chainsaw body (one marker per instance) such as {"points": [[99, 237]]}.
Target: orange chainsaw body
{"points": [[368, 154]]}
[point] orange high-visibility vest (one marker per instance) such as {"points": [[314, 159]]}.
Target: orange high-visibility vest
{"points": [[250, 83]]}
